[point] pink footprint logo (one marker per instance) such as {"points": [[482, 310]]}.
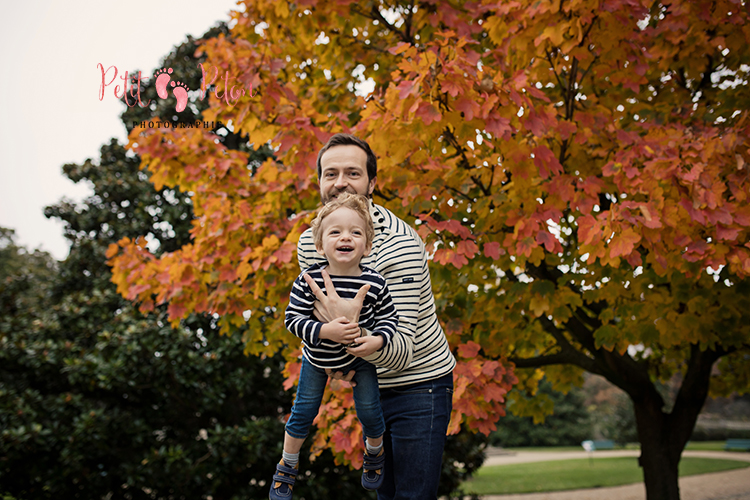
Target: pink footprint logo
{"points": [[162, 79], [181, 93]]}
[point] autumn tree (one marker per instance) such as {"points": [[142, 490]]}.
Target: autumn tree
{"points": [[578, 170]]}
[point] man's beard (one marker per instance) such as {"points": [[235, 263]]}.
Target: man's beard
{"points": [[325, 198]]}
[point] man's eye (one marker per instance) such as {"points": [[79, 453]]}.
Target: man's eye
{"points": [[354, 174]]}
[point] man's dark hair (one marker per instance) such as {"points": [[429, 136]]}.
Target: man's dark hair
{"points": [[347, 140]]}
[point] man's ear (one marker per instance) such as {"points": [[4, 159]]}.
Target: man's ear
{"points": [[371, 185]]}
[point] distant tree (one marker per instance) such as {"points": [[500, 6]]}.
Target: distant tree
{"points": [[16, 260], [615, 419], [567, 426]]}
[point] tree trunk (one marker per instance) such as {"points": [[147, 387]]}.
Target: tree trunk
{"points": [[663, 436], [659, 458]]}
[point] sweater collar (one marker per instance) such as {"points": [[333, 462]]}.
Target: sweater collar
{"points": [[377, 213]]}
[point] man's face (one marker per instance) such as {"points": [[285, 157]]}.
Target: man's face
{"points": [[344, 168]]}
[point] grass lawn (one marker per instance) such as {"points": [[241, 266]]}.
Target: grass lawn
{"points": [[577, 474], [706, 445], [692, 445]]}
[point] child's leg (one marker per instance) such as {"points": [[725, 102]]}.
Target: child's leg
{"points": [[370, 414], [367, 402], [310, 388], [312, 383]]}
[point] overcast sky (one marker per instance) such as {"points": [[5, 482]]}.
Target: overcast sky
{"points": [[50, 112]]}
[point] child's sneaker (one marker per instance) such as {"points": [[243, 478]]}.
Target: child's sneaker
{"points": [[372, 470], [283, 480]]}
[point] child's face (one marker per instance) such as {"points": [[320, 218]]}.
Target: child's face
{"points": [[344, 240]]}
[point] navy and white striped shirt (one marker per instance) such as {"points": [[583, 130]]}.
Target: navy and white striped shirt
{"points": [[378, 314], [421, 351]]}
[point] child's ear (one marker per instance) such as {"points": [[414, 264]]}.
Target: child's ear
{"points": [[367, 250], [319, 249]]}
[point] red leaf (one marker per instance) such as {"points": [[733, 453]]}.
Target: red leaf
{"points": [[228, 275], [176, 311], [623, 243], [587, 229], [492, 250], [428, 113], [468, 107], [566, 129], [489, 368], [469, 349], [545, 161], [546, 239], [493, 392], [399, 48], [407, 87], [451, 87], [497, 126], [285, 252], [458, 260], [534, 123], [467, 248]]}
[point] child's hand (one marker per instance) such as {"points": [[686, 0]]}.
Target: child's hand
{"points": [[365, 346], [340, 330]]}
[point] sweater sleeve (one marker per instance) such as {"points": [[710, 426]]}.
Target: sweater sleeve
{"points": [[298, 317], [386, 316], [402, 261]]}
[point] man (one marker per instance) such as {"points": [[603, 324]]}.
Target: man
{"points": [[415, 370]]}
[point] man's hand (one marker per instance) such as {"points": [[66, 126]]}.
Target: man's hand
{"points": [[340, 376], [331, 306], [340, 330], [365, 346]]}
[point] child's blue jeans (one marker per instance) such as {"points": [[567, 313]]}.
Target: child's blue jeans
{"points": [[312, 383]]}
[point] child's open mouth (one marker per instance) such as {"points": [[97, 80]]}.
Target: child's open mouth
{"points": [[345, 249]]}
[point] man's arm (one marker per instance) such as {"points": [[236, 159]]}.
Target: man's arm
{"points": [[402, 261], [385, 319], [384, 324]]}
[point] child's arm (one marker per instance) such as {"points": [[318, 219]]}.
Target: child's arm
{"points": [[298, 317]]}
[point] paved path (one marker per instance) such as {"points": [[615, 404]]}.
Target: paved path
{"points": [[729, 485]]}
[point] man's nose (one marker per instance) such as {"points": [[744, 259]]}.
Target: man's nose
{"points": [[341, 181]]}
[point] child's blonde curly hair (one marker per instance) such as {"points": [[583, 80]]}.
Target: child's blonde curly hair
{"points": [[355, 202]]}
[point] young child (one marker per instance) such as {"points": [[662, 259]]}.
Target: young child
{"points": [[343, 233]]}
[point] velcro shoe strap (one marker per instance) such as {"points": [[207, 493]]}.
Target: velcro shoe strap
{"points": [[284, 479], [373, 463], [287, 470]]}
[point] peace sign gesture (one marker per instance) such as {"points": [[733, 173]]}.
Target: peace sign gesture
{"points": [[332, 306]]}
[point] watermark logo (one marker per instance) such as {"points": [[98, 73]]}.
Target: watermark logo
{"points": [[172, 124], [130, 90]]}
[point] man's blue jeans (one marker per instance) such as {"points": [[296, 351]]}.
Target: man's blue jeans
{"points": [[312, 383], [416, 420]]}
